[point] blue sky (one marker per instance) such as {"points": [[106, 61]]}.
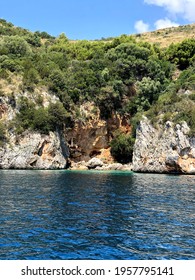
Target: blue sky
{"points": [[94, 19]]}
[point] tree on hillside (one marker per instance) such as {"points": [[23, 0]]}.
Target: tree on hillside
{"points": [[182, 53], [14, 45]]}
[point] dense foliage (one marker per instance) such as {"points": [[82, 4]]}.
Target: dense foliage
{"points": [[122, 147], [182, 54], [40, 119], [2, 133], [119, 75]]}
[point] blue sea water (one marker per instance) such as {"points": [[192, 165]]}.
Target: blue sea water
{"points": [[67, 215]]}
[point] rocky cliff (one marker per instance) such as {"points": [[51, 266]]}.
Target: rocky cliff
{"points": [[32, 150], [91, 138], [166, 149]]}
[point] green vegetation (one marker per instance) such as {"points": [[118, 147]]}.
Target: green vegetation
{"points": [[2, 133], [121, 75], [182, 54], [177, 102], [40, 119], [14, 46], [122, 147]]}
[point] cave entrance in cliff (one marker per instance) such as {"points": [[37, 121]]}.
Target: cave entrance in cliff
{"points": [[94, 153]]}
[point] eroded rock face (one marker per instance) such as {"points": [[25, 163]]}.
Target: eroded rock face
{"points": [[92, 138], [34, 151], [31, 150], [86, 140], [166, 149]]}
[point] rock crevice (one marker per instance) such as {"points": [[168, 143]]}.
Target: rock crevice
{"points": [[33, 151], [166, 149]]}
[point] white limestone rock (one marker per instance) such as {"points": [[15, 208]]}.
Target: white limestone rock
{"points": [[166, 149], [94, 162], [34, 151]]}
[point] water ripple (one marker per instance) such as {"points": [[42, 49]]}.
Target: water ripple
{"points": [[72, 215]]}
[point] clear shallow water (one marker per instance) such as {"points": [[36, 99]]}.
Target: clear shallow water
{"points": [[79, 215]]}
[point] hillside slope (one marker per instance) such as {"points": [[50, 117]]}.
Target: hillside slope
{"points": [[86, 99], [167, 36]]}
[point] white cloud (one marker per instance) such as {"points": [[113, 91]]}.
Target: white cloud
{"points": [[184, 8], [141, 26], [164, 23]]}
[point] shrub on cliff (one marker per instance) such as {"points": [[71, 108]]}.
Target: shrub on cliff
{"points": [[186, 112], [41, 121], [9, 63], [181, 53], [57, 81], [14, 45], [30, 79], [2, 133], [108, 100], [122, 147], [186, 79], [58, 115]]}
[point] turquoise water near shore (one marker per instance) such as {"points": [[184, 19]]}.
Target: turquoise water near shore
{"points": [[96, 215]]}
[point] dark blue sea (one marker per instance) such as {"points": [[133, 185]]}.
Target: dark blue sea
{"points": [[54, 215]]}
